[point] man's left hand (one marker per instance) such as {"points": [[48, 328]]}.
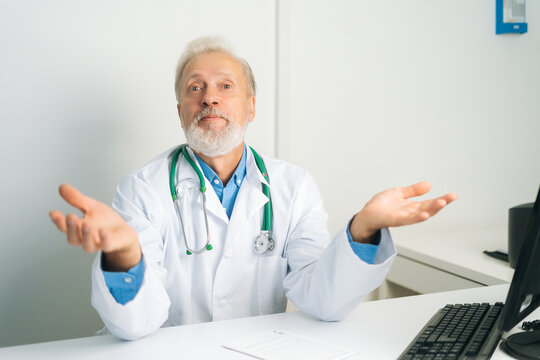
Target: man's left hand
{"points": [[392, 208]]}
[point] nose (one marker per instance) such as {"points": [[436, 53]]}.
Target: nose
{"points": [[210, 97]]}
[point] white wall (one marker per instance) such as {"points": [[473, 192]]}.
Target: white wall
{"points": [[87, 96], [377, 94], [402, 91]]}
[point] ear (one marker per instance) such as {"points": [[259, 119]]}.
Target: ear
{"points": [[251, 110], [180, 115]]}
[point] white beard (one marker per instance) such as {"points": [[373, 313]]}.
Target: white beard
{"points": [[214, 142]]}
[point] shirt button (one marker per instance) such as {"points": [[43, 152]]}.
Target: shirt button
{"points": [[222, 302], [128, 280], [238, 182], [216, 182], [228, 253]]}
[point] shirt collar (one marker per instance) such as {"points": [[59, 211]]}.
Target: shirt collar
{"points": [[236, 178]]}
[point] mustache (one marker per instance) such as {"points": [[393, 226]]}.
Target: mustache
{"points": [[211, 111]]}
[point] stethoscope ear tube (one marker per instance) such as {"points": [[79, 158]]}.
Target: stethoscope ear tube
{"points": [[267, 217], [182, 149], [207, 246], [172, 173]]}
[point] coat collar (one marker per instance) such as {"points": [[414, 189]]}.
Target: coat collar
{"points": [[250, 196]]}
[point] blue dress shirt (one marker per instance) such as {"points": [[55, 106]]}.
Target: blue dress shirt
{"points": [[226, 194], [125, 285]]}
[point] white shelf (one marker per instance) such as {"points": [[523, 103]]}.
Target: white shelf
{"points": [[434, 261]]}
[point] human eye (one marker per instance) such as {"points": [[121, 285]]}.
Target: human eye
{"points": [[227, 85], [194, 86]]}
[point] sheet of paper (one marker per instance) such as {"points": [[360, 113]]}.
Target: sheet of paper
{"points": [[281, 345]]}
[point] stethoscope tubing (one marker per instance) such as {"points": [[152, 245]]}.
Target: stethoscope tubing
{"points": [[266, 229]]}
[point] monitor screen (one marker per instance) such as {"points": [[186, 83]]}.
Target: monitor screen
{"points": [[524, 294]]}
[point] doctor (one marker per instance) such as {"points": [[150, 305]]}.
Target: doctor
{"points": [[202, 257]]}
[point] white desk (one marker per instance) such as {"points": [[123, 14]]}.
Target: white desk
{"points": [[377, 330], [434, 261]]}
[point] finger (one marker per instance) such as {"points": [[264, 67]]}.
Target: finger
{"points": [[432, 207], [73, 230], [417, 189], [411, 217], [74, 197], [90, 239], [437, 204], [422, 216], [450, 197], [59, 220]]}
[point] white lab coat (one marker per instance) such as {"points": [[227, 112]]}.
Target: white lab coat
{"points": [[323, 278]]}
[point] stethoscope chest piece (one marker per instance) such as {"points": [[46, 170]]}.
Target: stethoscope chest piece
{"points": [[263, 243]]}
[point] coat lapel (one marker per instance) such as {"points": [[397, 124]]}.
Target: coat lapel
{"points": [[250, 197], [213, 205]]}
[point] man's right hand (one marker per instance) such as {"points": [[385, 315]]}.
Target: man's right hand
{"points": [[100, 228]]}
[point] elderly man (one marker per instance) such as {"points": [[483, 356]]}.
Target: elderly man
{"points": [[213, 231]]}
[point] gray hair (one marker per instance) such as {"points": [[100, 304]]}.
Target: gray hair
{"points": [[205, 45]]}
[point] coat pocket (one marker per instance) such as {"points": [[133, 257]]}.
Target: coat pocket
{"points": [[271, 271]]}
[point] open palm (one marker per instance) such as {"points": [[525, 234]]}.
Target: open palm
{"points": [[100, 227], [393, 207]]}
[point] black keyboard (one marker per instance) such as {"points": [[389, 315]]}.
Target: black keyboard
{"points": [[460, 331]]}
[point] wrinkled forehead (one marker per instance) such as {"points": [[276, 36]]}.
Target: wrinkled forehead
{"points": [[214, 64]]}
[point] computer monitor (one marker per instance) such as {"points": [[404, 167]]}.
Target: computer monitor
{"points": [[481, 341], [524, 293]]}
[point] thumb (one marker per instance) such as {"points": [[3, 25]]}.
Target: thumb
{"points": [[74, 197]]}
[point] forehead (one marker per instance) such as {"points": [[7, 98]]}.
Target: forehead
{"points": [[213, 64]]}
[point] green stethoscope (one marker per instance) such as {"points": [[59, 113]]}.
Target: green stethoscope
{"points": [[263, 242]]}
